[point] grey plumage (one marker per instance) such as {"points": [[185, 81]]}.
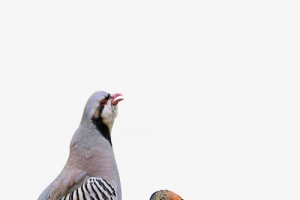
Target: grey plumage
{"points": [[91, 155]]}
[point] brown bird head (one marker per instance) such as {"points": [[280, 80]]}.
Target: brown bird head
{"points": [[165, 195]]}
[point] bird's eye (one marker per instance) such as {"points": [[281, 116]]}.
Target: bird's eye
{"points": [[103, 102]]}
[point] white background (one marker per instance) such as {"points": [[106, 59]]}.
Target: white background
{"points": [[211, 91]]}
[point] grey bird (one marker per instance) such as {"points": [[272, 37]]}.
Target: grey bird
{"points": [[91, 170]]}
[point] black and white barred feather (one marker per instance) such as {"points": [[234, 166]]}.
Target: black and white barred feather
{"points": [[93, 189]]}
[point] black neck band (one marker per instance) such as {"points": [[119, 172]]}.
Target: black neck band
{"points": [[102, 128]]}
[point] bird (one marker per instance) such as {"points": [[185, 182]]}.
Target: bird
{"points": [[91, 170], [165, 195]]}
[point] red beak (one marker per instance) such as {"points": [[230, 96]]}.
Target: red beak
{"points": [[116, 98]]}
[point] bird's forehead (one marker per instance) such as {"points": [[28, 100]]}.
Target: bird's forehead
{"points": [[99, 95], [94, 100]]}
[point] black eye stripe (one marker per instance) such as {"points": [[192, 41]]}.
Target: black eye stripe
{"points": [[104, 101], [106, 98]]}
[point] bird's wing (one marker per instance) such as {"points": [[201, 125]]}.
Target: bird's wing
{"points": [[67, 181], [94, 189]]}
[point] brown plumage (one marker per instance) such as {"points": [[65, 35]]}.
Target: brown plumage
{"points": [[165, 195]]}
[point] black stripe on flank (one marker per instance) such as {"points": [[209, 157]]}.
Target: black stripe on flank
{"points": [[96, 194], [101, 126], [111, 187], [102, 194], [71, 196], [77, 194], [87, 190], [83, 192], [104, 187]]}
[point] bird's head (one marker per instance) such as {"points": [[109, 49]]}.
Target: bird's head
{"points": [[165, 195], [101, 109]]}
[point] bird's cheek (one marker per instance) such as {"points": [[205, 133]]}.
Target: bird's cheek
{"points": [[96, 114], [115, 113], [106, 115]]}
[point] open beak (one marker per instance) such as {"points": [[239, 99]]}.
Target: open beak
{"points": [[116, 98]]}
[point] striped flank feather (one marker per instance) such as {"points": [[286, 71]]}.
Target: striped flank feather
{"points": [[93, 189]]}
